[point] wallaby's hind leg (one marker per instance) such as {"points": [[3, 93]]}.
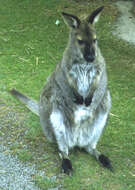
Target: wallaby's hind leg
{"points": [[98, 126], [59, 128]]}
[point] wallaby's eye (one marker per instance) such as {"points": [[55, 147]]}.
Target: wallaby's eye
{"points": [[95, 40], [80, 42]]}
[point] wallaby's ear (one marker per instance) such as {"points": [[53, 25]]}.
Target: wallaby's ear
{"points": [[71, 20], [94, 16]]}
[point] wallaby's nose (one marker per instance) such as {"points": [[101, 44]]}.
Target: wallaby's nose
{"points": [[89, 53], [90, 58]]}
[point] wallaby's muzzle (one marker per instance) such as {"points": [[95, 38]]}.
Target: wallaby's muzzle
{"points": [[89, 54], [89, 58]]}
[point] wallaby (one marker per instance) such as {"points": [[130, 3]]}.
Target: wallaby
{"points": [[75, 102]]}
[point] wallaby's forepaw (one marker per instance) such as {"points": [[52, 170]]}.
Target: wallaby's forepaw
{"points": [[78, 100], [88, 101], [104, 160], [67, 167]]}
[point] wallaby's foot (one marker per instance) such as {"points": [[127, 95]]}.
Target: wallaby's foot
{"points": [[67, 167], [104, 160]]}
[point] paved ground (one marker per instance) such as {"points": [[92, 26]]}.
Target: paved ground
{"points": [[15, 175], [125, 25]]}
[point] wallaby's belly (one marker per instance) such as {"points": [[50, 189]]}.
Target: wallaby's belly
{"points": [[82, 127], [85, 129]]}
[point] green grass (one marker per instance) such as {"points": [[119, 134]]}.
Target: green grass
{"points": [[44, 182], [30, 47]]}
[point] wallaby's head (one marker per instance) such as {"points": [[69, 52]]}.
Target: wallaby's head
{"points": [[83, 33]]}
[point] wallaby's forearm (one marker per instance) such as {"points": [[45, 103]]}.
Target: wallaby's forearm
{"points": [[99, 93]]}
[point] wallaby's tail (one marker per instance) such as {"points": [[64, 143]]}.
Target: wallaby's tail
{"points": [[31, 104]]}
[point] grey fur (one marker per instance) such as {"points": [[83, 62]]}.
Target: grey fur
{"points": [[63, 121]]}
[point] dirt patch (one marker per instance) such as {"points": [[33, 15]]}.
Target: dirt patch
{"points": [[125, 25]]}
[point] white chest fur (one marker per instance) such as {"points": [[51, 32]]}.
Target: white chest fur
{"points": [[82, 75]]}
